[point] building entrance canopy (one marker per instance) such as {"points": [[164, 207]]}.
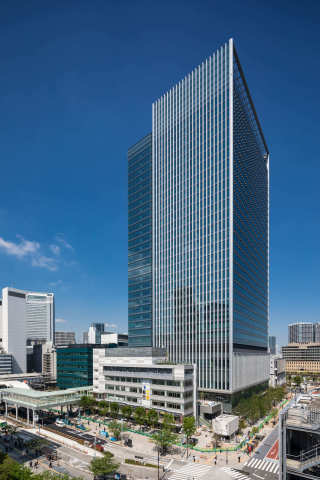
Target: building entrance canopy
{"points": [[42, 400]]}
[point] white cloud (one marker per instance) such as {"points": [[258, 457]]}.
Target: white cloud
{"points": [[44, 262], [60, 320], [55, 249], [60, 238], [19, 250], [28, 249]]}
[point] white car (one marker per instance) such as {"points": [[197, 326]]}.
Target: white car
{"points": [[60, 423]]}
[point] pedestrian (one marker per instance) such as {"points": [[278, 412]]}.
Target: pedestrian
{"points": [[239, 458], [215, 461], [30, 463], [194, 458], [50, 464]]}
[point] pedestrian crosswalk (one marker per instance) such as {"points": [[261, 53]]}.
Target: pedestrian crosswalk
{"points": [[191, 471], [261, 464], [235, 473]]}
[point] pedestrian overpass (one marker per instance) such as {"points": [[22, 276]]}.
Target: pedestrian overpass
{"points": [[35, 400]]}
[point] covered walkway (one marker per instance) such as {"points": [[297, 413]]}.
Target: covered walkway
{"points": [[34, 400]]}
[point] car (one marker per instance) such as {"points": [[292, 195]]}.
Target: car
{"points": [[60, 423]]}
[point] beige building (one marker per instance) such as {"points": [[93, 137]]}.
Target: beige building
{"points": [[302, 358]]}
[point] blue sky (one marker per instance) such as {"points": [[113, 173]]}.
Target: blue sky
{"points": [[77, 82]]}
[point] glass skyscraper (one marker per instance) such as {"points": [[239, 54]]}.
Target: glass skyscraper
{"points": [[210, 227], [140, 243]]}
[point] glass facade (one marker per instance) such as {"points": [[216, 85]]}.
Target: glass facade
{"points": [[272, 345], [210, 221], [74, 366], [250, 222], [140, 243]]}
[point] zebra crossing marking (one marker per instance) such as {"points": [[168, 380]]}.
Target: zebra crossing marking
{"points": [[193, 471], [235, 473], [262, 464]]}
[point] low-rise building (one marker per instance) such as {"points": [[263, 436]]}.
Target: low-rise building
{"points": [[299, 453], [143, 377], [115, 339], [225, 425], [302, 358], [277, 371]]}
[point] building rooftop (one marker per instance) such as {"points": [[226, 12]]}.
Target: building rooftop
{"points": [[38, 400], [304, 413], [136, 352]]}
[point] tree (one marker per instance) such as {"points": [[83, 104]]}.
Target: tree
{"points": [[103, 412], [12, 470], [274, 413], [36, 443], [254, 409], [140, 415], [114, 409], [104, 465], [242, 425], [189, 428], [297, 380], [126, 411], [168, 421], [152, 418], [243, 407], [115, 428], [164, 439], [87, 403]]}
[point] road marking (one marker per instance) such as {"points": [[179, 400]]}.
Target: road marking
{"points": [[235, 473]]}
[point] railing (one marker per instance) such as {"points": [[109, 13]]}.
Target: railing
{"points": [[306, 455]]}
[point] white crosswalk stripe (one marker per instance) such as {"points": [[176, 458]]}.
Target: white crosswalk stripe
{"points": [[192, 471], [266, 465], [235, 473]]}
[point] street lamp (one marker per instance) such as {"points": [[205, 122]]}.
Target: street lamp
{"points": [[158, 463]]}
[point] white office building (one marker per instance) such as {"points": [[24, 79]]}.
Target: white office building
{"points": [[277, 371], [94, 333], [143, 377], [25, 317]]}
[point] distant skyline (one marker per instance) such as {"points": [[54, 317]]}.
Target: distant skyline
{"points": [[77, 82]]}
